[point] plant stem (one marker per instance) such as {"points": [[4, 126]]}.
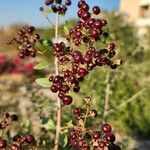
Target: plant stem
{"points": [[86, 115], [58, 121], [124, 103], [106, 100], [48, 19]]}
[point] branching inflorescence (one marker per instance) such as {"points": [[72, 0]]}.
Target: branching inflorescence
{"points": [[77, 56], [19, 141]]}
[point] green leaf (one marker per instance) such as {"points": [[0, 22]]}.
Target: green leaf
{"points": [[50, 125], [44, 120], [69, 24], [46, 42], [66, 30], [44, 82], [70, 123], [63, 139], [42, 65]]}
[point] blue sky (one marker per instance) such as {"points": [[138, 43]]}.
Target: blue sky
{"points": [[27, 11]]}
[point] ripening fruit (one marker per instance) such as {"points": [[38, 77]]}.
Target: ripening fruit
{"points": [[3, 143], [101, 144], [111, 46], [81, 3], [49, 2], [113, 146], [106, 128], [14, 117], [96, 135], [67, 100], [68, 2], [96, 10], [30, 139], [110, 138]]}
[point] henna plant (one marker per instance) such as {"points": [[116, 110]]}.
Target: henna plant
{"points": [[19, 141], [73, 63]]}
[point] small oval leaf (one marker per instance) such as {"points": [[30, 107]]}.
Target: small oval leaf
{"points": [[63, 139], [50, 125], [46, 42], [42, 65], [44, 82]]}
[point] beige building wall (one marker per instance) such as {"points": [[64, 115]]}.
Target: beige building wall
{"points": [[137, 12], [130, 8]]}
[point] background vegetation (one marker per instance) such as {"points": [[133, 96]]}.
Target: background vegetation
{"points": [[129, 83]]}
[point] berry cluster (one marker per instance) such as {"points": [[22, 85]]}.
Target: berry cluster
{"points": [[26, 38], [89, 29], [19, 141], [84, 139], [81, 64], [57, 6], [7, 120], [86, 31]]}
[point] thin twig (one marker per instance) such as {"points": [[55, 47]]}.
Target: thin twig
{"points": [[58, 121], [124, 103], [51, 23], [107, 93], [86, 115]]}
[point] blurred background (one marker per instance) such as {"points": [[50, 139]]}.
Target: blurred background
{"points": [[129, 91]]}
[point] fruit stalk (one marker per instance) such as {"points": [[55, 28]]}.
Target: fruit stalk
{"points": [[58, 120], [106, 99]]}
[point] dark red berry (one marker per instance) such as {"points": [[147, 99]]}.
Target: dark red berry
{"points": [[82, 72], [61, 95], [113, 146], [98, 24], [85, 7], [85, 15], [106, 128], [94, 113], [56, 79], [94, 33], [77, 111], [37, 36], [30, 139], [110, 137], [111, 46], [65, 88], [31, 29], [101, 144], [54, 8], [68, 2], [67, 100], [49, 2], [58, 1], [6, 115], [96, 135], [81, 3], [17, 138], [76, 88], [113, 66], [80, 12], [54, 89], [96, 10], [3, 143], [14, 117]]}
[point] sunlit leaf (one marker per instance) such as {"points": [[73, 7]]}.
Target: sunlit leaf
{"points": [[44, 82], [42, 65], [46, 42]]}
